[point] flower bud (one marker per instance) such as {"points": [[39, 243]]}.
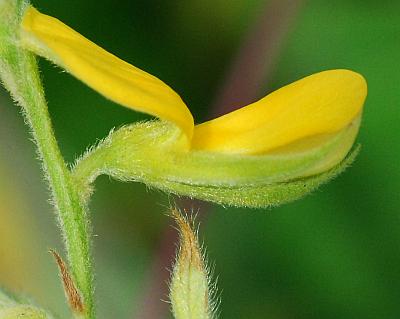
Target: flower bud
{"points": [[189, 289]]}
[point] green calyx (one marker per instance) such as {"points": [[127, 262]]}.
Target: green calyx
{"points": [[151, 152]]}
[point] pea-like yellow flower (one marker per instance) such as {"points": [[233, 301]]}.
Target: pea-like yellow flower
{"points": [[292, 135]]}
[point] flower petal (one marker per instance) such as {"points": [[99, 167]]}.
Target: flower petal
{"points": [[112, 77], [321, 103]]}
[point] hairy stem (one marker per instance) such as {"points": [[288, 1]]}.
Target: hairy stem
{"points": [[71, 212], [20, 75]]}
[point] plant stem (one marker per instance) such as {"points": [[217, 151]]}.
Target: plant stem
{"points": [[20, 75], [71, 212]]}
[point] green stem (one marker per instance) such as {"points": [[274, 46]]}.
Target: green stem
{"points": [[73, 218], [20, 75]]}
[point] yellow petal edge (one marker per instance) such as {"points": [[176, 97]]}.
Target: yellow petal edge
{"points": [[319, 104], [114, 78]]}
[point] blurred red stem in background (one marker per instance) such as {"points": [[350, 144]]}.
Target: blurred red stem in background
{"points": [[256, 58], [252, 66]]}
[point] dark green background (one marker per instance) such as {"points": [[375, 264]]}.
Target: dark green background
{"points": [[334, 254]]}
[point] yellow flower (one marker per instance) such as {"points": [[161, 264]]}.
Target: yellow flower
{"points": [[322, 103], [312, 122]]}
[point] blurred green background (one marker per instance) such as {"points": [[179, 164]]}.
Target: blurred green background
{"points": [[334, 254]]}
